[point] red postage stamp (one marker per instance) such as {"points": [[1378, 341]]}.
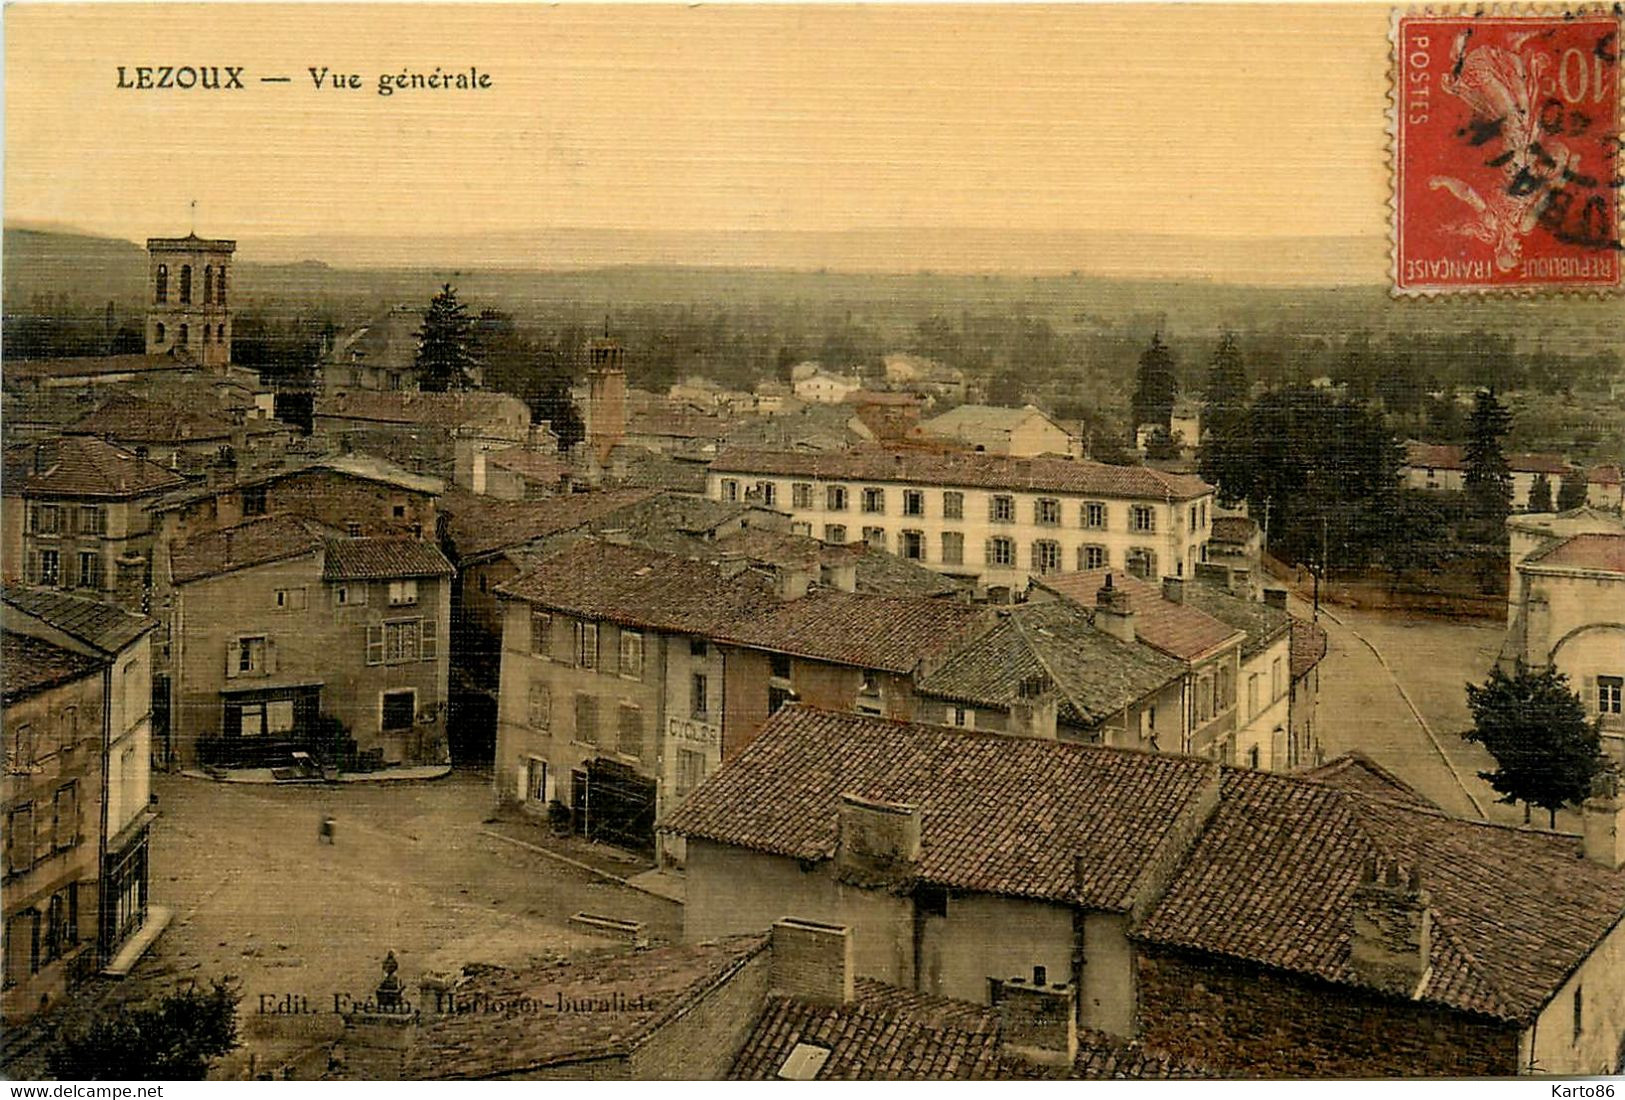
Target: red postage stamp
{"points": [[1507, 131]]}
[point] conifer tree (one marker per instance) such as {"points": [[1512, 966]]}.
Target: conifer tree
{"points": [[447, 357]]}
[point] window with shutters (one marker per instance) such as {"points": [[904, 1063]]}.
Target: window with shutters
{"points": [[768, 491], [629, 730], [1046, 556], [289, 599], [1001, 509], [1609, 692], [730, 489], [690, 771], [539, 709], [953, 505], [953, 548], [801, 494], [835, 534], [428, 640], [92, 519], [586, 718], [631, 655], [350, 595], [1001, 551], [65, 818], [801, 528], [1047, 512], [248, 656], [400, 641], [21, 750], [1091, 557], [50, 568], [1141, 563], [47, 519], [90, 569], [402, 593], [874, 500], [541, 634], [399, 710], [1142, 517], [20, 838], [913, 502], [875, 537], [587, 645], [835, 498], [1093, 514], [911, 544]]}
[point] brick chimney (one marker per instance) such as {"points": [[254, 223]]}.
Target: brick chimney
{"points": [[1173, 589], [879, 842], [1604, 817], [1276, 598], [1038, 1021], [1113, 615], [811, 961], [1217, 574], [1393, 930], [841, 576], [1033, 714]]}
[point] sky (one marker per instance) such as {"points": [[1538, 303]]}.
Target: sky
{"points": [[1238, 122]]}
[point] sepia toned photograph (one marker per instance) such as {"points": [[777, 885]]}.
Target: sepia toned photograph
{"points": [[808, 542]]}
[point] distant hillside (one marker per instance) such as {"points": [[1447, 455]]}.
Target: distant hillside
{"points": [[46, 265]]}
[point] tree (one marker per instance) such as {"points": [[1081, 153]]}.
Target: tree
{"points": [[536, 375], [1224, 454], [1488, 480], [175, 1038], [1226, 383], [1546, 753], [446, 357], [1158, 385], [1160, 445], [1540, 494], [1571, 491]]}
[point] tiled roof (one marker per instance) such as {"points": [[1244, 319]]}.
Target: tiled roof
{"points": [[383, 557], [136, 419], [1095, 675], [883, 1034], [878, 573], [29, 665], [482, 525], [92, 365], [254, 542], [883, 574], [1528, 463], [1180, 630], [1608, 474], [677, 423], [886, 633], [646, 469], [1103, 1057], [998, 814], [531, 464], [1357, 772], [981, 421], [365, 467], [1271, 881], [979, 471], [1595, 553], [641, 588], [628, 997], [1434, 456], [103, 626], [83, 466], [1308, 646], [1263, 624], [466, 409], [1233, 529]]}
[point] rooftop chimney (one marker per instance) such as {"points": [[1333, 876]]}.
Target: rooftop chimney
{"points": [[130, 582], [1276, 598], [1113, 614], [731, 563], [1604, 814], [1173, 589], [1216, 574], [1033, 714], [792, 583], [811, 961], [841, 576], [879, 842], [1038, 1020], [1393, 930]]}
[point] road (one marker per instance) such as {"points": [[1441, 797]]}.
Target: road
{"points": [[256, 895], [1394, 687]]}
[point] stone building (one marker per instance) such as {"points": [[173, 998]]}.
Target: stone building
{"points": [[1258, 925], [995, 519], [278, 623], [190, 280]]}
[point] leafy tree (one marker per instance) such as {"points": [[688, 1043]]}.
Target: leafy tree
{"points": [[175, 1038], [1571, 492], [1546, 753], [1158, 385], [1540, 494], [447, 357], [1488, 480], [536, 375]]}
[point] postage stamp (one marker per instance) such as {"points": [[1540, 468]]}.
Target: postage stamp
{"points": [[1507, 136]]}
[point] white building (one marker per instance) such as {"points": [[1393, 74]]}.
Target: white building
{"points": [[996, 430], [995, 519], [825, 388], [1570, 612]]}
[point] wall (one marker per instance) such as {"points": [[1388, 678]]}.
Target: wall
{"points": [[1267, 727], [1176, 546], [1304, 750], [985, 937], [701, 1042], [1246, 1021], [64, 758], [1597, 1049], [1578, 623]]}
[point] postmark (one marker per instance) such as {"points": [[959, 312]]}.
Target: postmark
{"points": [[1507, 152]]}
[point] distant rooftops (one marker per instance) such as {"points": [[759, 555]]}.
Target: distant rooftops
{"points": [[983, 471], [1448, 456]]}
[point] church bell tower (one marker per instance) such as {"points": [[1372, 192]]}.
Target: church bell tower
{"points": [[188, 286]]}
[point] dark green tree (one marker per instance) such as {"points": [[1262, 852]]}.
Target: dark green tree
{"points": [[1161, 446], [1488, 480], [447, 356], [1546, 753], [1540, 494], [1158, 385], [537, 375], [174, 1038], [1571, 492], [1226, 383], [1224, 454]]}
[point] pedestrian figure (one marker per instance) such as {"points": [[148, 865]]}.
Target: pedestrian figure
{"points": [[324, 831]]}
